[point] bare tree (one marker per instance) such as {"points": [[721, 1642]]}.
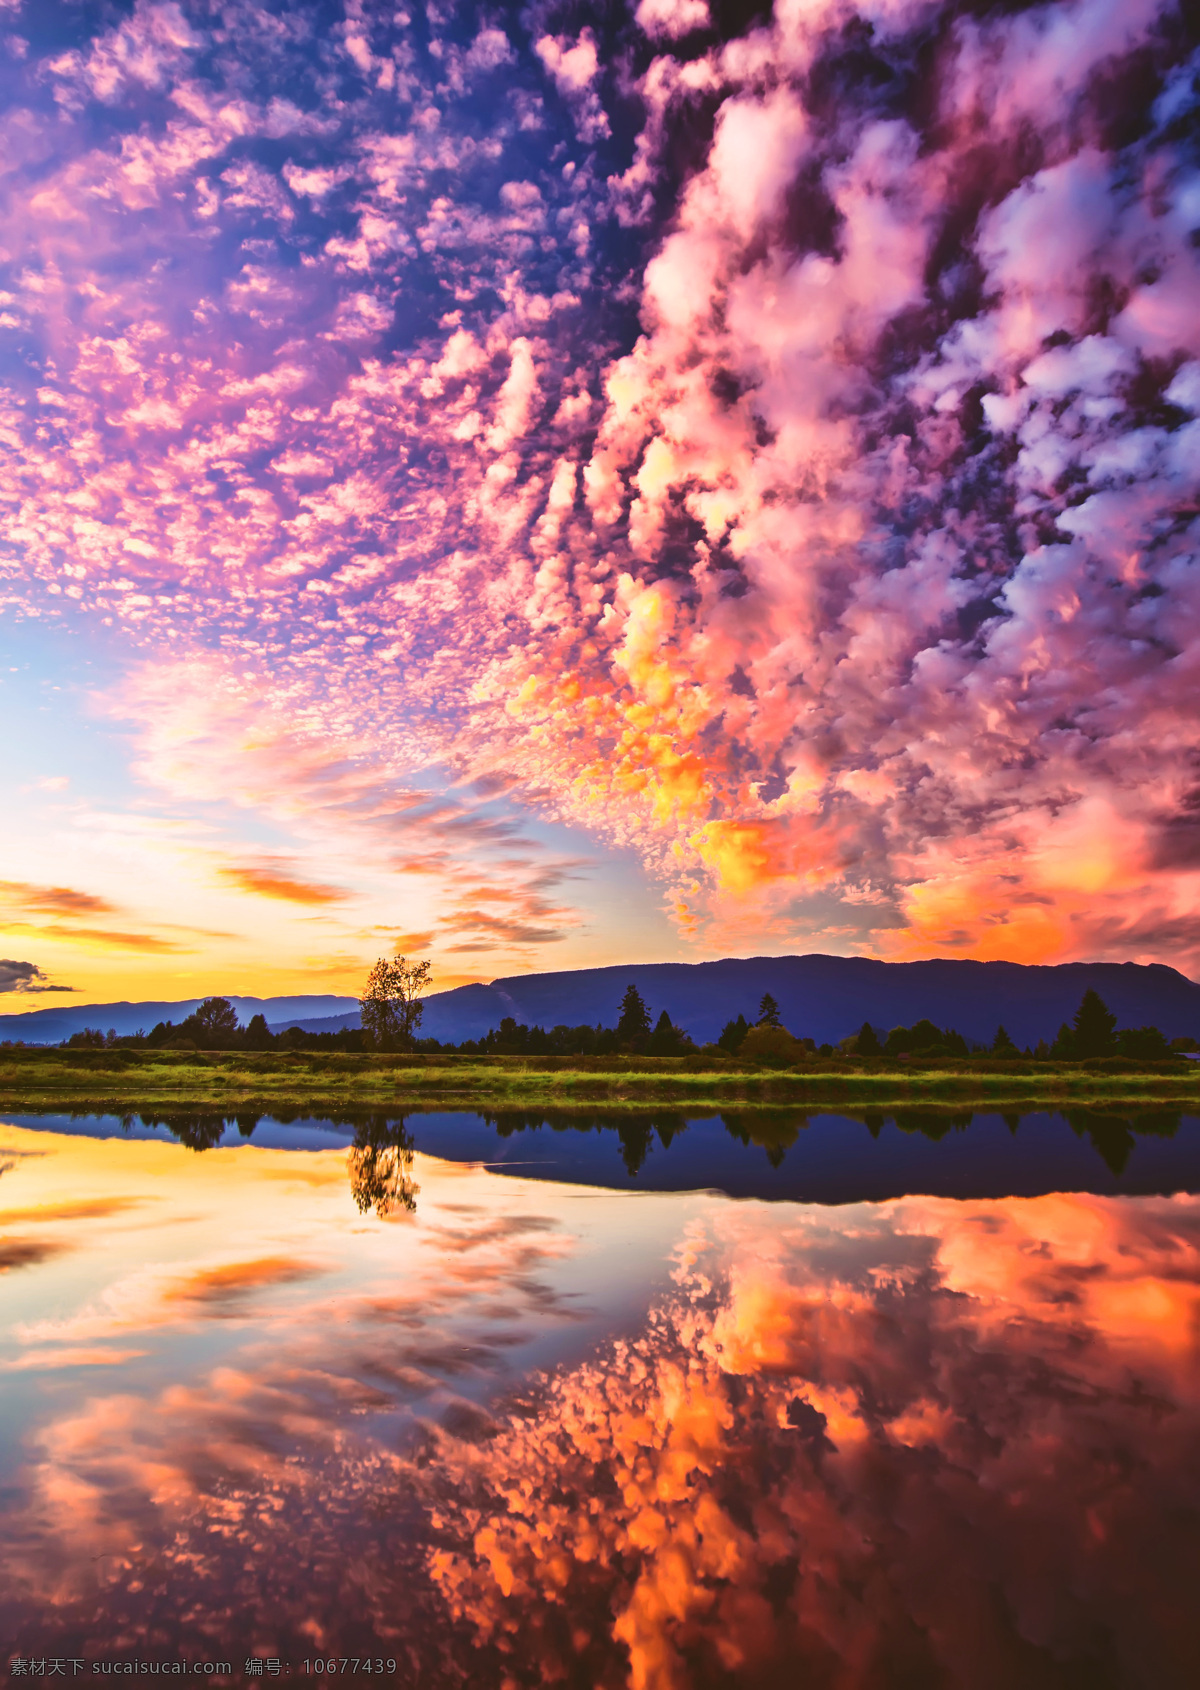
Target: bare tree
{"points": [[391, 1009]]}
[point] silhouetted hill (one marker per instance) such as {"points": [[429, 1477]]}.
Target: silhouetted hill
{"points": [[51, 1026], [822, 997], [825, 997]]}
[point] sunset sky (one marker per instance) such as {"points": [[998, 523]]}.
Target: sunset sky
{"points": [[550, 486]]}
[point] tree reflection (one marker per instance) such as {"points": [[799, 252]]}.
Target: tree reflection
{"points": [[636, 1134], [381, 1166], [1114, 1135], [197, 1129], [931, 1122], [635, 1131], [382, 1150], [776, 1132]]}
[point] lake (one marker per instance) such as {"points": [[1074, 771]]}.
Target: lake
{"points": [[642, 1400]]}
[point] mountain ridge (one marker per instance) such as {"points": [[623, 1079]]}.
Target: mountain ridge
{"points": [[821, 997], [49, 1026]]}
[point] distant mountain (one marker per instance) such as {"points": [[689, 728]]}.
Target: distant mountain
{"points": [[826, 997], [51, 1026], [821, 997]]}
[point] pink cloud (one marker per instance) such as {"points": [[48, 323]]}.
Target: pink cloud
{"points": [[672, 17]]}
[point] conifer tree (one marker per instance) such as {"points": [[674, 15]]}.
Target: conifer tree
{"points": [[868, 1041], [1092, 1031], [667, 1039], [635, 1017], [768, 1012], [733, 1033], [258, 1035]]}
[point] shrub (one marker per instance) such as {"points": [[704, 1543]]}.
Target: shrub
{"points": [[765, 1043]]}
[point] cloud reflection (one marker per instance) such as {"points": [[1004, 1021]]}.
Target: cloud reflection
{"points": [[936, 1443], [922, 1442]]}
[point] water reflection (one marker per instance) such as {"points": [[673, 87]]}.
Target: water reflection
{"points": [[778, 1153], [541, 1435], [932, 1446], [797, 1144], [380, 1163], [635, 1130], [1114, 1135]]}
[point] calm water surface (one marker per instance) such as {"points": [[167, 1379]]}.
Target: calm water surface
{"points": [[669, 1402]]}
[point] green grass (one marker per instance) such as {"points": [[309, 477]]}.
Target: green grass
{"points": [[121, 1081]]}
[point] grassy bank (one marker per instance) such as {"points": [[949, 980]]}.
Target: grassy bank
{"points": [[119, 1081]]}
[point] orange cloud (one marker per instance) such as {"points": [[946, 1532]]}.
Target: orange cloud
{"points": [[98, 938], [53, 900], [270, 878]]}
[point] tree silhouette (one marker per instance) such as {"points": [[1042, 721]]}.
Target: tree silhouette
{"points": [[768, 1012], [733, 1033], [1002, 1045], [635, 1017], [258, 1036], [868, 1041], [390, 1008], [1093, 1028], [667, 1039], [1109, 1134], [215, 1015], [1147, 1044], [924, 1039]]}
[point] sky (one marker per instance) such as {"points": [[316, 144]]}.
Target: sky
{"points": [[552, 486]]}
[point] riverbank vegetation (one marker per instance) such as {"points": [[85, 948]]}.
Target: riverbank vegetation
{"points": [[118, 1079], [209, 1060]]}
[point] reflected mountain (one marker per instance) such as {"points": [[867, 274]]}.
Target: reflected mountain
{"points": [[803, 1149], [771, 1153]]}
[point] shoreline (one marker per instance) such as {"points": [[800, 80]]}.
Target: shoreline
{"points": [[122, 1081]]}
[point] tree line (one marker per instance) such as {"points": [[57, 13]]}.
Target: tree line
{"points": [[1092, 1034], [214, 1025], [391, 1011]]}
